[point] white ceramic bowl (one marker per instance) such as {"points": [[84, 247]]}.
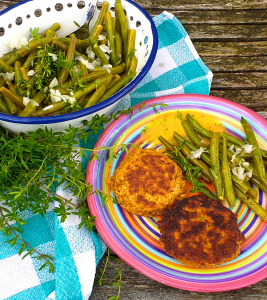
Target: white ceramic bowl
{"points": [[19, 18]]}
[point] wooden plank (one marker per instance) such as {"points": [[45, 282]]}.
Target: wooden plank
{"points": [[136, 286], [202, 5], [236, 63], [224, 49], [220, 16], [246, 32], [227, 80], [253, 99]]}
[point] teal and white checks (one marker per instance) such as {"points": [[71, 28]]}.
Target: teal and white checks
{"points": [[177, 69]]}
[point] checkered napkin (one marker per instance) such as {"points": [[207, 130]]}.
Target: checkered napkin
{"points": [[177, 69]]}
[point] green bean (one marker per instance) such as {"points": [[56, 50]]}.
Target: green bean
{"points": [[239, 183], [232, 139], [252, 193], [99, 92], [248, 167], [93, 76], [2, 81], [116, 78], [13, 58], [64, 72], [205, 170], [31, 108], [103, 10], [204, 156], [259, 184], [200, 129], [130, 47], [24, 73], [62, 46], [11, 106], [118, 45], [11, 96], [122, 25], [3, 107], [54, 108], [98, 52], [116, 87], [89, 88], [195, 181], [226, 176], [133, 65], [18, 74], [83, 44], [252, 204], [12, 88], [54, 27], [111, 36], [96, 31], [215, 164], [190, 132], [256, 152], [5, 67], [33, 45], [29, 61]]}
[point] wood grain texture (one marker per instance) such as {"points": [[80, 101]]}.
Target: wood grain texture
{"points": [[136, 286], [231, 38]]}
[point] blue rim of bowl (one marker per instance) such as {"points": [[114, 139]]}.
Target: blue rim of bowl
{"points": [[99, 106]]}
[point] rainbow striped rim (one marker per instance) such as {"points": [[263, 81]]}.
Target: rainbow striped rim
{"points": [[136, 239]]}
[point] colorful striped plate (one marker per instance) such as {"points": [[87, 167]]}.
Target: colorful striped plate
{"points": [[136, 239]]}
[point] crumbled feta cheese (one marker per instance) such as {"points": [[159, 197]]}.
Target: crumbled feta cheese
{"points": [[247, 148], [101, 37], [236, 151], [245, 164], [17, 42], [88, 65], [233, 158], [90, 54], [53, 83], [26, 100], [53, 55], [232, 147], [34, 103], [105, 67], [97, 62], [31, 73], [69, 99], [239, 172], [55, 95], [249, 174], [197, 153], [107, 56], [105, 49], [71, 93], [8, 76], [48, 107]]}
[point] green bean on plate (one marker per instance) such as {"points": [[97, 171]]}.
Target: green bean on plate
{"points": [[231, 164]]}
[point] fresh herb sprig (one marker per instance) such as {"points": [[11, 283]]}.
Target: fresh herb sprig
{"points": [[32, 166]]}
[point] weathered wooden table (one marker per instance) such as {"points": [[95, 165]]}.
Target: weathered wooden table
{"points": [[231, 38]]}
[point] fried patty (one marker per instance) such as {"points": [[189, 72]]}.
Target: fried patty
{"points": [[200, 232], [147, 182]]}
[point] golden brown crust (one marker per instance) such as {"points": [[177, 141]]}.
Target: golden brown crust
{"points": [[200, 232], [146, 182]]}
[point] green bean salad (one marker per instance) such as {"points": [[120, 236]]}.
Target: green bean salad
{"points": [[49, 75]]}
